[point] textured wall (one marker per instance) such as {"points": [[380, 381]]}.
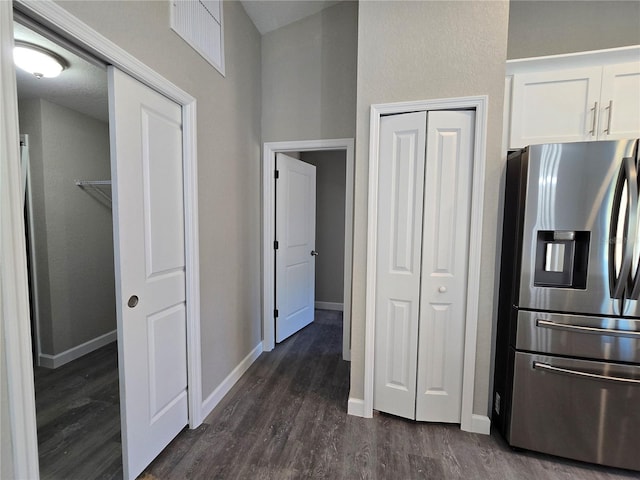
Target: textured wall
{"points": [[330, 195], [309, 77], [73, 234], [538, 28], [429, 50], [228, 163]]}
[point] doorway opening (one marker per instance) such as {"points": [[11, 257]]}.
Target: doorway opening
{"points": [[319, 152], [141, 86], [65, 157]]}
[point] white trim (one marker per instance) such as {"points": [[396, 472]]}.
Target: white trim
{"points": [[15, 333], [55, 361], [479, 104], [480, 424], [330, 306], [227, 384], [268, 232], [564, 61], [355, 406], [33, 260]]}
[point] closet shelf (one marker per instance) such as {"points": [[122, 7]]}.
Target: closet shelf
{"points": [[97, 187]]}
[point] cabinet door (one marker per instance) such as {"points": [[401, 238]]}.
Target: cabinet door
{"points": [[553, 107], [620, 109]]}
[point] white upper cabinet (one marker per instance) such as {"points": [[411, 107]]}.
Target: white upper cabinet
{"points": [[620, 109], [573, 98]]}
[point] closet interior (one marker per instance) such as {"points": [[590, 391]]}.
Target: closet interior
{"points": [[66, 182]]}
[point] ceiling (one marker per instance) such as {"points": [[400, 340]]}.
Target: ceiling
{"points": [[81, 87], [269, 15]]}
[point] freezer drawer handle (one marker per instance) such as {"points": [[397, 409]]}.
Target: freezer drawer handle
{"points": [[583, 329], [576, 373]]}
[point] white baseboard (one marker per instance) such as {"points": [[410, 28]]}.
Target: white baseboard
{"points": [[355, 407], [330, 306], [480, 424], [55, 361], [218, 394]]}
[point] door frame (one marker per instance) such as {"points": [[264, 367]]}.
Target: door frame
{"points": [[268, 232], [17, 335], [469, 421]]}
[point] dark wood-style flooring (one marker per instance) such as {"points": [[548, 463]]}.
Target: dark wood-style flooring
{"points": [[78, 414], [286, 419]]}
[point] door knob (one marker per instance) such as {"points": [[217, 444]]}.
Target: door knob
{"points": [[314, 253], [442, 289], [133, 301]]}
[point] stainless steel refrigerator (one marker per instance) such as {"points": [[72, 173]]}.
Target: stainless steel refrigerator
{"points": [[567, 365]]}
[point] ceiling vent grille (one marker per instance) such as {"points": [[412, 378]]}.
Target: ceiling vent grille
{"points": [[199, 23]]}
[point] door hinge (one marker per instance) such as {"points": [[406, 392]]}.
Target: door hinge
{"points": [[276, 174], [276, 245], [275, 313]]}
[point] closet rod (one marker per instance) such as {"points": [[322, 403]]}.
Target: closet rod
{"points": [[94, 185]]}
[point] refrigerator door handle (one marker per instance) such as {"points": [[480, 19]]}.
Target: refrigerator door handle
{"points": [[584, 329], [634, 280], [626, 233], [578, 373]]}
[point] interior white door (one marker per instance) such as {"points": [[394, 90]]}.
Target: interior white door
{"points": [[445, 247], [296, 236], [146, 149], [401, 185]]}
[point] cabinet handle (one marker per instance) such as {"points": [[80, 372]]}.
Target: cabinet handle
{"points": [[610, 108], [595, 115]]}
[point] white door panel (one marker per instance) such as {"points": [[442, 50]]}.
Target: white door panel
{"points": [[445, 247], [401, 182], [296, 236], [146, 145]]}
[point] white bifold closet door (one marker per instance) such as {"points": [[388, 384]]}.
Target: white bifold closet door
{"points": [[424, 196]]}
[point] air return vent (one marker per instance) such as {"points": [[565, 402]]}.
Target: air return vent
{"points": [[199, 23]]}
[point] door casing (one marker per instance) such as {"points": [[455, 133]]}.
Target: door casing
{"points": [[268, 232], [364, 408], [17, 339]]}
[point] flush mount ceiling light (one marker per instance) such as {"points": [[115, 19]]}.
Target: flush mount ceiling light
{"points": [[38, 60]]}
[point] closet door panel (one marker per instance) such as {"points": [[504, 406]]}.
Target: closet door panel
{"points": [[401, 188], [444, 265]]}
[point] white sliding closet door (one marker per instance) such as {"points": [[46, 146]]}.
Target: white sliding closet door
{"points": [[401, 174], [423, 241], [445, 248], [146, 143]]}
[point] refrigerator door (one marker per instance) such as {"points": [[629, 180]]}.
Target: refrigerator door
{"points": [[612, 339], [577, 409], [574, 255]]}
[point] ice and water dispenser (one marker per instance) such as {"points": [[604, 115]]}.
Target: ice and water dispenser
{"points": [[561, 259]]}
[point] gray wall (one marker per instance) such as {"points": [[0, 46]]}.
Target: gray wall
{"points": [[309, 77], [228, 163], [73, 234], [538, 28], [430, 50], [330, 199]]}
